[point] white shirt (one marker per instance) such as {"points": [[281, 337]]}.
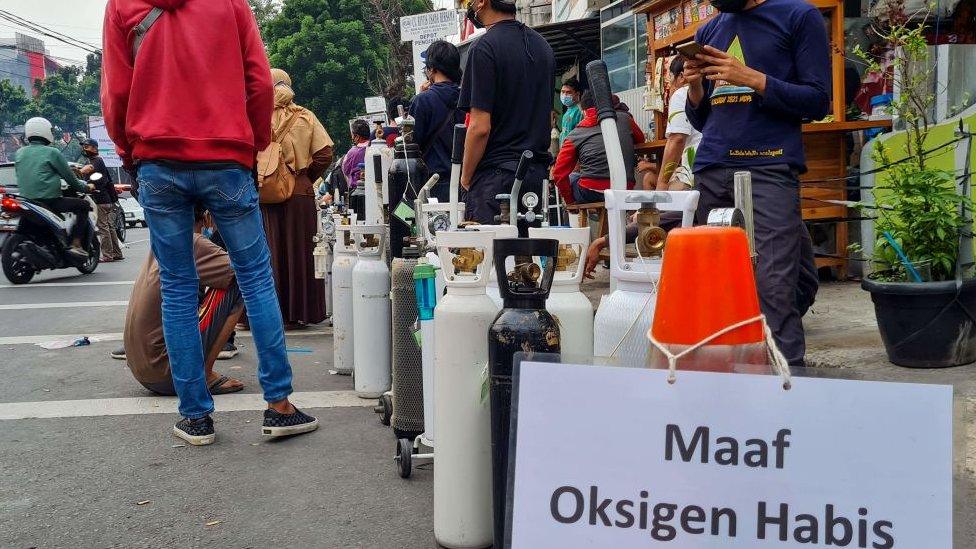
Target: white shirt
{"points": [[678, 123]]}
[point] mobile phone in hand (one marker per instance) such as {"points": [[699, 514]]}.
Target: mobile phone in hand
{"points": [[690, 49]]}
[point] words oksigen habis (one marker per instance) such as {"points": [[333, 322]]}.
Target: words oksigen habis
{"points": [[774, 520]]}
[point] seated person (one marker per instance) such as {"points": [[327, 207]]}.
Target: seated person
{"points": [[584, 146], [220, 308], [40, 169]]}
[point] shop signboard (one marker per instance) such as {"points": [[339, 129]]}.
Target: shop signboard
{"points": [[618, 457], [375, 105], [439, 23], [106, 148]]}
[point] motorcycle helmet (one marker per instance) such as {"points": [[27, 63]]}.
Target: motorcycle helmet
{"points": [[40, 128]]}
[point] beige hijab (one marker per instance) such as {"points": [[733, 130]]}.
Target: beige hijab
{"points": [[307, 135]]}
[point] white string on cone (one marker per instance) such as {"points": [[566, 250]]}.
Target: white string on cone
{"points": [[775, 355]]}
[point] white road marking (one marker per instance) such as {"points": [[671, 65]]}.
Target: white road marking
{"points": [[236, 402], [67, 284], [117, 336], [72, 305], [127, 244]]}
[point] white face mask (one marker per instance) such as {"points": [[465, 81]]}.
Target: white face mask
{"points": [[566, 100]]}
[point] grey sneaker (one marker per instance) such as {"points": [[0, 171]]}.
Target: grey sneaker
{"points": [[118, 354], [198, 432], [281, 425]]}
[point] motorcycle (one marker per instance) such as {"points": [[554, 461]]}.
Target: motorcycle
{"points": [[41, 241]]}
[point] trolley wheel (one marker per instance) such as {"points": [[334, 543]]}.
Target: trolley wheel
{"points": [[404, 457], [385, 409]]}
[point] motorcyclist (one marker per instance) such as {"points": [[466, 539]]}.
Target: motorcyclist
{"points": [[40, 169]]}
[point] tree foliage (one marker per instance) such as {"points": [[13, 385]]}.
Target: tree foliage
{"points": [[264, 11], [333, 49], [13, 102], [62, 99]]}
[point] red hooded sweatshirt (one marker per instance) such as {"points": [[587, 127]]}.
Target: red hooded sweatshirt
{"points": [[200, 88]]}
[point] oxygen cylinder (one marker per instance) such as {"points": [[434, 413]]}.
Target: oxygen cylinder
{"points": [[462, 477], [322, 254], [566, 302], [408, 393], [408, 173], [342, 300], [624, 316], [500, 231], [377, 194], [371, 312], [425, 289], [525, 326], [357, 197]]}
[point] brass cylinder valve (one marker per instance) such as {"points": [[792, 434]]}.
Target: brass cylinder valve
{"points": [[650, 236], [466, 260], [370, 241], [525, 273], [567, 257]]}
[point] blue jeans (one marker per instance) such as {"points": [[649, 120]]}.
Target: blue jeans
{"points": [[168, 195], [582, 195]]}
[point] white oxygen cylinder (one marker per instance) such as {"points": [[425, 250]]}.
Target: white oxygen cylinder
{"points": [[462, 476], [371, 312], [379, 157], [624, 317], [500, 231], [566, 302], [343, 346]]}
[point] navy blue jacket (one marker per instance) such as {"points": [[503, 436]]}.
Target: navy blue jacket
{"points": [[787, 41], [432, 131]]}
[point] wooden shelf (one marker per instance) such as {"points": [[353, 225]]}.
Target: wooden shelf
{"points": [[851, 126], [650, 146]]}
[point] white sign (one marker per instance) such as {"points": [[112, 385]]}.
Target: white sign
{"points": [[439, 23], [106, 148], [375, 105], [420, 46], [614, 457]]}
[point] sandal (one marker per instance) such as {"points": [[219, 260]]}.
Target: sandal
{"points": [[217, 387]]}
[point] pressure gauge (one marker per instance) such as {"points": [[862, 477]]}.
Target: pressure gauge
{"points": [[530, 200], [439, 222]]}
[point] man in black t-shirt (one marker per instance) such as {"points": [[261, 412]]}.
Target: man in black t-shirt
{"points": [[106, 198], [507, 89]]}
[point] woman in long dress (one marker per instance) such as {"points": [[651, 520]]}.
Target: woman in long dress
{"points": [[290, 225]]}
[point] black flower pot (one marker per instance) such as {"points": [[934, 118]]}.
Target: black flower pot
{"points": [[926, 324]]}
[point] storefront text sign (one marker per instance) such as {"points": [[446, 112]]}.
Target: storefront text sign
{"points": [[615, 457], [436, 23]]}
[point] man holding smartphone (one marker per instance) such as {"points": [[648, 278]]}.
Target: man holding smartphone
{"points": [[763, 72]]}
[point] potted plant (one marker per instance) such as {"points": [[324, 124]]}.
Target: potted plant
{"points": [[924, 303]]}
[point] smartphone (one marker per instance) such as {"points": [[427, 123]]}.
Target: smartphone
{"points": [[690, 49]]}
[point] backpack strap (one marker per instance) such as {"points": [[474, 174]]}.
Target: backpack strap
{"points": [[142, 28]]}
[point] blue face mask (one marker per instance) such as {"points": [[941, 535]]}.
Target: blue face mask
{"points": [[566, 100], [207, 233]]}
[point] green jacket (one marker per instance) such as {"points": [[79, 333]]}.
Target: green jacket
{"points": [[571, 118], [40, 169]]}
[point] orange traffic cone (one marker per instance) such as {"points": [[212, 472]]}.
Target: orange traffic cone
{"points": [[707, 315]]}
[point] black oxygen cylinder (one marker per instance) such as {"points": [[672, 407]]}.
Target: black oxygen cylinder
{"points": [[357, 198], [523, 325], [408, 174]]}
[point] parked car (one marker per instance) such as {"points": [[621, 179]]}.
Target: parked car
{"points": [[130, 206]]}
